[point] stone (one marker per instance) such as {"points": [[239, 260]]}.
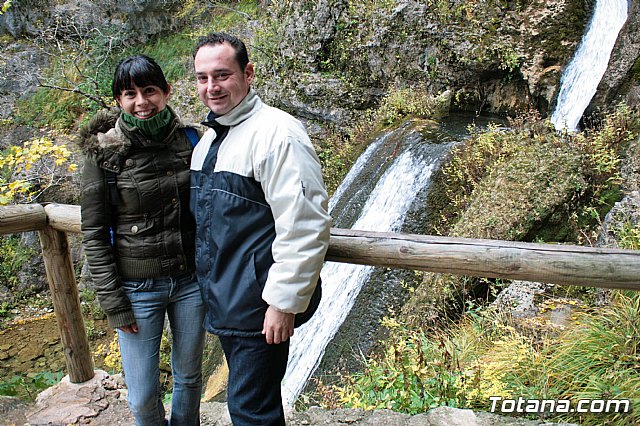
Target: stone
{"points": [[448, 416], [72, 403], [519, 298]]}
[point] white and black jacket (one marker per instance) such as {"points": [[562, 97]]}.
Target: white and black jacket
{"points": [[261, 212]]}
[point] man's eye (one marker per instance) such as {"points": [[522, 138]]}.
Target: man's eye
{"points": [[202, 78], [222, 76]]}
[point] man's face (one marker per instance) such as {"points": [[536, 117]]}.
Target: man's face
{"points": [[220, 81]]}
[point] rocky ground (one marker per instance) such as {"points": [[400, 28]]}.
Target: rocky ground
{"points": [[101, 402]]}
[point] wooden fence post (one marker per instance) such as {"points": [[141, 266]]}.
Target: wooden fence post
{"points": [[66, 304]]}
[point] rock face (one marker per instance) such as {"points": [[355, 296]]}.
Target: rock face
{"points": [[332, 59], [500, 57], [138, 19]]}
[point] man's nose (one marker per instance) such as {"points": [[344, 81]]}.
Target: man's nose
{"points": [[213, 85]]}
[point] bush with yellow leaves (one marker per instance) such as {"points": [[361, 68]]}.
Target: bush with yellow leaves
{"points": [[27, 172]]}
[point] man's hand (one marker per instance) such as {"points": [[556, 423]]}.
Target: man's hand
{"points": [[131, 328], [277, 326]]}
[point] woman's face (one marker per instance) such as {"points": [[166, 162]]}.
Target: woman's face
{"points": [[143, 102]]}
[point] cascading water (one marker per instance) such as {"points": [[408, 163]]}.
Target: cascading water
{"points": [[583, 74], [398, 166]]}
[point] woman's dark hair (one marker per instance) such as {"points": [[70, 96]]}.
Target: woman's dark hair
{"points": [[138, 70]]}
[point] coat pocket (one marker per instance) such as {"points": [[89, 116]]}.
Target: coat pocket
{"points": [[134, 225]]}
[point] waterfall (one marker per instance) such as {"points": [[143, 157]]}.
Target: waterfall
{"points": [[400, 170], [583, 74]]}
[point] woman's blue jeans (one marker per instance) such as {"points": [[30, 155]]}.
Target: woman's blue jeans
{"points": [[180, 299]]}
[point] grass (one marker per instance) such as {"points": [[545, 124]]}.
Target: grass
{"points": [[488, 355], [27, 386]]}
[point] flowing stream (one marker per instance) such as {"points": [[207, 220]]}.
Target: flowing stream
{"points": [[583, 74], [376, 195]]}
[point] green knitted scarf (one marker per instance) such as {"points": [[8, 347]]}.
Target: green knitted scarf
{"points": [[155, 127]]}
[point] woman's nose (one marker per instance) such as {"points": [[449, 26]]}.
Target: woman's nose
{"points": [[141, 98]]}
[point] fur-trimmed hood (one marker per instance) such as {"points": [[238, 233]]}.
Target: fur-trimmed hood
{"points": [[100, 123], [101, 141]]}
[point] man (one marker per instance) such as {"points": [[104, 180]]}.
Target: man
{"points": [[262, 227]]}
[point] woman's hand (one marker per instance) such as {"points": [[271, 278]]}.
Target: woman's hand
{"points": [[131, 328]]}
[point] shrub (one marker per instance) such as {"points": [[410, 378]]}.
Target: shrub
{"points": [[27, 386], [27, 172]]}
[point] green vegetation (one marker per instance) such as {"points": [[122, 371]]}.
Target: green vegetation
{"points": [[489, 354], [547, 180], [27, 386], [28, 171], [13, 255], [5, 6], [338, 152], [628, 236]]}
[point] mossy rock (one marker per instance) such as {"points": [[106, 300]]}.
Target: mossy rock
{"points": [[530, 189]]}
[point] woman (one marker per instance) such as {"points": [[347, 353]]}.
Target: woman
{"points": [[138, 236]]}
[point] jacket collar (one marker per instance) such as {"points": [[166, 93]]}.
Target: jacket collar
{"points": [[245, 109]]}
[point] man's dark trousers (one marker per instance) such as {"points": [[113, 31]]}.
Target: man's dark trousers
{"points": [[256, 370]]}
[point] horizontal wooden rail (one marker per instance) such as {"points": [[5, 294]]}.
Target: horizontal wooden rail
{"points": [[548, 263], [22, 218]]}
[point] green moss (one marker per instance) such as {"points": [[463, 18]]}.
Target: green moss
{"points": [[523, 192], [635, 70]]}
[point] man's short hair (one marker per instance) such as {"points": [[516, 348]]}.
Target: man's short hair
{"points": [[242, 57]]}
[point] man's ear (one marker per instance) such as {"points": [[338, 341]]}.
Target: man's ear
{"points": [[248, 73]]}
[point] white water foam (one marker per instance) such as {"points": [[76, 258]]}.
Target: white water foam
{"points": [[384, 211], [583, 74]]}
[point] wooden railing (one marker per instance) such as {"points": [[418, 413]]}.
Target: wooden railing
{"points": [[549, 263]]}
